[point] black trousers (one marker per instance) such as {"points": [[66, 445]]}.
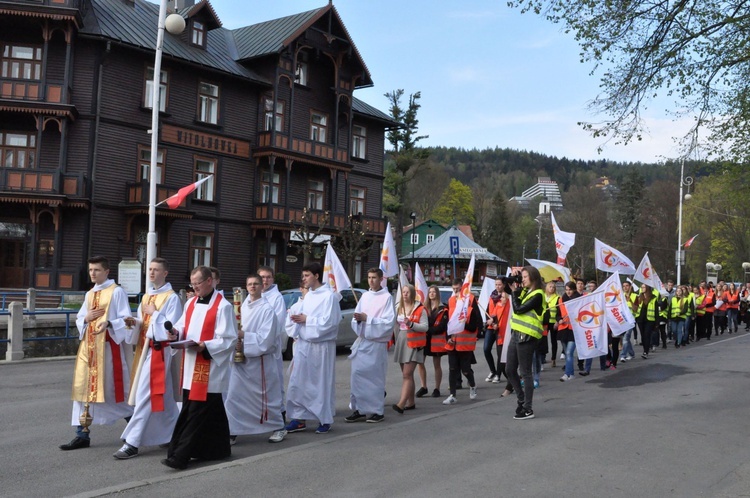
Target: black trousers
{"points": [[647, 329], [201, 431], [460, 362]]}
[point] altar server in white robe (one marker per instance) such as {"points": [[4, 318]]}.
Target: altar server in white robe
{"points": [[276, 300], [373, 322], [253, 401], [202, 429], [311, 390], [156, 409], [102, 368]]}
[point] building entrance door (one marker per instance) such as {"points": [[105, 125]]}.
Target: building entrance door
{"points": [[14, 263]]}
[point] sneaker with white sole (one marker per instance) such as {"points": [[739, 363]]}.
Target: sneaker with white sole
{"points": [[127, 451], [496, 379], [450, 400], [525, 415], [562, 356], [375, 418], [472, 393], [489, 377], [277, 436], [566, 378]]}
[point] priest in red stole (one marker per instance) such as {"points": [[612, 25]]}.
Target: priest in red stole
{"points": [[202, 429]]}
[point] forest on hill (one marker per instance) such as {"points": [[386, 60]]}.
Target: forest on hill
{"points": [[637, 213]]}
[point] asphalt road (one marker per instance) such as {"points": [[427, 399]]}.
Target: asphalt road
{"points": [[673, 425]]}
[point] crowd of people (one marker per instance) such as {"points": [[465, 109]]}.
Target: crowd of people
{"points": [[229, 375]]}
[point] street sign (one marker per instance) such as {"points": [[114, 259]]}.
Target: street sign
{"points": [[454, 246]]}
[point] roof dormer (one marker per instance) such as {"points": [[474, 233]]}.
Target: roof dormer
{"points": [[200, 18]]}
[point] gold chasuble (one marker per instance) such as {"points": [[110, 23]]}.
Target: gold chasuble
{"points": [[88, 378], [157, 300]]}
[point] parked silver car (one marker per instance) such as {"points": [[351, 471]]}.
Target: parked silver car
{"points": [[346, 335]]}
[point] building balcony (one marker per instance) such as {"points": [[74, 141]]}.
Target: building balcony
{"points": [[320, 153], [26, 95], [276, 215], [70, 4], [43, 186]]}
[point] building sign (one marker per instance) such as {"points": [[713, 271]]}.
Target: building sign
{"points": [[475, 250], [129, 275], [205, 141]]}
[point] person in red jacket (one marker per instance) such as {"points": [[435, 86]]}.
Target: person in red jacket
{"points": [[461, 346], [732, 298]]}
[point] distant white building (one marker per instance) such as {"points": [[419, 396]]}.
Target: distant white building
{"points": [[545, 187]]}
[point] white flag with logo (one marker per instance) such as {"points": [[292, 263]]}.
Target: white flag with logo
{"points": [[334, 272], [646, 274], [619, 316], [488, 287], [420, 284], [563, 240], [402, 283], [388, 257], [457, 321], [611, 260], [587, 317]]}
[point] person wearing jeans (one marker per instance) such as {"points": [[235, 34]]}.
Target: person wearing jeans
{"points": [[565, 332]]}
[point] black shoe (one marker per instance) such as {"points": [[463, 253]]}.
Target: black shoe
{"points": [[583, 373], [525, 415], [355, 417], [520, 409], [398, 409], [421, 392], [174, 464], [412, 407], [374, 419], [76, 443], [436, 393]]}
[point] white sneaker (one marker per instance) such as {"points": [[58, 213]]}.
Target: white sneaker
{"points": [[629, 357], [490, 377], [562, 356], [566, 378], [277, 436], [496, 379], [472, 393], [450, 400], [623, 360]]}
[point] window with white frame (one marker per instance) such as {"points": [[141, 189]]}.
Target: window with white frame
{"points": [[267, 258], [274, 114], [201, 248], [198, 34], [300, 72], [208, 103], [357, 200], [315, 194], [21, 62], [205, 167], [429, 238], [318, 126], [269, 187], [163, 89], [17, 150], [415, 238], [359, 142], [144, 164]]}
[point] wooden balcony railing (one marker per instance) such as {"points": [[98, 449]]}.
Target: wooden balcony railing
{"points": [[307, 147], [43, 182], [31, 90], [72, 4], [276, 213], [138, 193]]}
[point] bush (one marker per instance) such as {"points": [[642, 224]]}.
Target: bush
{"points": [[283, 281]]}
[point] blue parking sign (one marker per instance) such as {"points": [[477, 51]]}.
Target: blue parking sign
{"points": [[454, 246]]}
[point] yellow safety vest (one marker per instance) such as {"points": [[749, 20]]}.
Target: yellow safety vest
{"points": [[528, 323]]}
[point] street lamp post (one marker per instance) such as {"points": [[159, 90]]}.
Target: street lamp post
{"points": [[680, 254], [174, 24], [413, 217]]}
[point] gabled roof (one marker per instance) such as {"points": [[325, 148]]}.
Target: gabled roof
{"points": [[366, 109], [272, 37], [440, 249], [135, 24], [209, 13]]}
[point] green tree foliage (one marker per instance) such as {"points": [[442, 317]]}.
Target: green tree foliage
{"points": [[406, 159], [693, 51], [455, 204], [498, 236], [630, 203]]}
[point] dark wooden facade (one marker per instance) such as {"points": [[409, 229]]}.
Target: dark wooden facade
{"points": [[78, 119]]}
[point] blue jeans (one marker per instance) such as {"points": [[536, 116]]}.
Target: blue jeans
{"points": [[732, 319], [80, 433], [602, 363], [490, 341], [678, 329], [627, 344], [536, 365], [570, 348]]}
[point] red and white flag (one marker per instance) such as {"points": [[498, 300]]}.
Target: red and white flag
{"points": [[646, 274], [388, 257], [610, 259], [587, 317], [618, 314], [177, 199], [334, 272], [689, 241], [563, 241], [420, 284], [457, 321]]}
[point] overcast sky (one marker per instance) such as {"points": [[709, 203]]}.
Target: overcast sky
{"points": [[489, 76]]}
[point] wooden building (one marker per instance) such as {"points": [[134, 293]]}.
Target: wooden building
{"points": [[267, 110]]}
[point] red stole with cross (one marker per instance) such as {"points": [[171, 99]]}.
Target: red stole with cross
{"points": [[202, 369]]}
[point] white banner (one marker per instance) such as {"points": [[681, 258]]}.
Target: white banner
{"points": [[457, 321], [611, 260], [388, 257], [646, 274], [619, 316], [334, 272], [420, 284], [563, 240], [587, 317]]}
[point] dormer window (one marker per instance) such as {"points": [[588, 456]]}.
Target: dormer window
{"points": [[198, 34]]}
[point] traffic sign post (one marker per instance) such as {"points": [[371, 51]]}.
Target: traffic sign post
{"points": [[454, 252]]}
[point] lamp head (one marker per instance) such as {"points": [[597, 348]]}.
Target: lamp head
{"points": [[174, 23]]}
